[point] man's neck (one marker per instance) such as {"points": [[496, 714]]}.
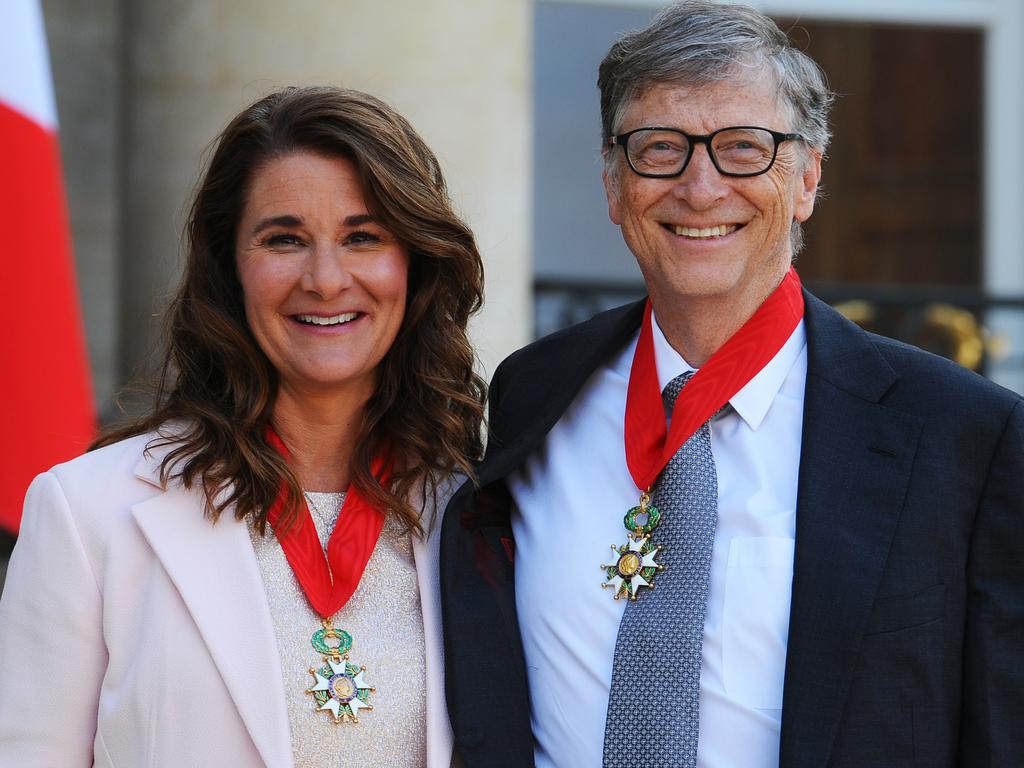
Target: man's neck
{"points": [[697, 327]]}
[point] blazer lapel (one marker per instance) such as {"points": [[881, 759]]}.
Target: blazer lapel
{"points": [[425, 552], [856, 457], [215, 571]]}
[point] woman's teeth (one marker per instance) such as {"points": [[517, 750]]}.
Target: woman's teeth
{"points": [[333, 320]]}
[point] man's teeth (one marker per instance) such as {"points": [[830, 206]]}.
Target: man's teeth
{"points": [[718, 231], [334, 320]]}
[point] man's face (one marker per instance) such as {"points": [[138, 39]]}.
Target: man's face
{"points": [[742, 260]]}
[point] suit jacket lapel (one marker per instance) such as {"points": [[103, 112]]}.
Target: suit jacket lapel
{"points": [[215, 571], [487, 688], [856, 457]]}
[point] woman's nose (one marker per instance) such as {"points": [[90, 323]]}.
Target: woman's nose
{"points": [[326, 273]]}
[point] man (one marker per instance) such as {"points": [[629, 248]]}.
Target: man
{"points": [[832, 575]]}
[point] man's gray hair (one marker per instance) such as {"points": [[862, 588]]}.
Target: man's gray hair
{"points": [[698, 42]]}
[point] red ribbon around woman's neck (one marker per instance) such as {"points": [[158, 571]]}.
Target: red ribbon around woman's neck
{"points": [[329, 582], [649, 446]]}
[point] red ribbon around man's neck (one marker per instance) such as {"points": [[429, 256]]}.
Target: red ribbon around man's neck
{"points": [[741, 358], [329, 582]]}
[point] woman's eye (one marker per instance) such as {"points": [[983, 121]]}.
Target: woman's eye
{"points": [[362, 238], [283, 241]]}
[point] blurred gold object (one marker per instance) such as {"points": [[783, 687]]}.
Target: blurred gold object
{"points": [[857, 311], [953, 332], [962, 334]]}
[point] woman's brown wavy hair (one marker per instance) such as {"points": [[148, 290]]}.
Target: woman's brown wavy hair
{"points": [[218, 388]]}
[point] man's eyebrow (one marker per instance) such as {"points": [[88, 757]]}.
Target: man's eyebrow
{"points": [[289, 220]]}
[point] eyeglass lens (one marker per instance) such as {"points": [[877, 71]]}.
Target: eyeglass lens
{"points": [[735, 150]]}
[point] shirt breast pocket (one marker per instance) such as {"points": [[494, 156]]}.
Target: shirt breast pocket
{"points": [[755, 621]]}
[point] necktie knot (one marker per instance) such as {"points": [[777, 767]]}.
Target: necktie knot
{"points": [[673, 388], [670, 394]]}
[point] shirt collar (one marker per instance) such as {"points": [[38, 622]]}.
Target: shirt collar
{"points": [[755, 398]]}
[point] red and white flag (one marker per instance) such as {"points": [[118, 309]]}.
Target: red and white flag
{"points": [[45, 391]]}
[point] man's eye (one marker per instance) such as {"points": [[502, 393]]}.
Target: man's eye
{"points": [[663, 146]]}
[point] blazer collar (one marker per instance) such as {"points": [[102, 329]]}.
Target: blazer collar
{"points": [[856, 458], [215, 571]]}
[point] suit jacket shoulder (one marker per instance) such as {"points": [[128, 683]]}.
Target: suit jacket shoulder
{"points": [[533, 387], [899, 375]]}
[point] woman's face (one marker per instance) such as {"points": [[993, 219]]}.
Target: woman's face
{"points": [[324, 282]]}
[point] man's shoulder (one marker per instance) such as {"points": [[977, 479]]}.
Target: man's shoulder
{"points": [[942, 377], [921, 382], [572, 345]]}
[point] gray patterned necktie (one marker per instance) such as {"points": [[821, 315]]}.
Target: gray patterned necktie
{"points": [[653, 704]]}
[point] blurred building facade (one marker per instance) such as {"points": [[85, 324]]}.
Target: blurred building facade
{"points": [[920, 234], [925, 181]]}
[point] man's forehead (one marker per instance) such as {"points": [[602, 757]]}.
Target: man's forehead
{"points": [[754, 94]]}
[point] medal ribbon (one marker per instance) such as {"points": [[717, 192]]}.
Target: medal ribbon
{"points": [[648, 447], [329, 582]]}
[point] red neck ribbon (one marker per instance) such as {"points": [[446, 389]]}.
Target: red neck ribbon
{"points": [[648, 447], [329, 581]]}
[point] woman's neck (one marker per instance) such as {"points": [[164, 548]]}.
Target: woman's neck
{"points": [[320, 433]]}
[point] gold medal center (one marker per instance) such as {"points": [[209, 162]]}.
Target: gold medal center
{"points": [[629, 564], [343, 687]]}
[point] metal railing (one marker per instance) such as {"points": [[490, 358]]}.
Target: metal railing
{"points": [[955, 322]]}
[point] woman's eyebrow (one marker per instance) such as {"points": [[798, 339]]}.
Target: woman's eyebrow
{"points": [[287, 220]]}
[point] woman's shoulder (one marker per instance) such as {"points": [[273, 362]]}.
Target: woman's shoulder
{"points": [[117, 461], [100, 487], [86, 505]]}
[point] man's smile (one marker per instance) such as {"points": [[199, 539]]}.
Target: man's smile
{"points": [[702, 233]]}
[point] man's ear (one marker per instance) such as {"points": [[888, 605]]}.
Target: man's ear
{"points": [[611, 190], [807, 190]]}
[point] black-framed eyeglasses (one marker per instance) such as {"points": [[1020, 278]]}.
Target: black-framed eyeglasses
{"points": [[740, 150]]}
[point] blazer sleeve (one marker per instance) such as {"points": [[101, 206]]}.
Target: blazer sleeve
{"points": [[993, 677], [52, 652]]}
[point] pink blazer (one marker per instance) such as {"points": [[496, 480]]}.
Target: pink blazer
{"points": [[133, 632]]}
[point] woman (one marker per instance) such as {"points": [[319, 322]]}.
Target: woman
{"points": [[169, 602]]}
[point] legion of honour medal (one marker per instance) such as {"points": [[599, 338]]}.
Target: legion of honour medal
{"points": [[634, 565], [340, 688], [649, 444], [328, 578]]}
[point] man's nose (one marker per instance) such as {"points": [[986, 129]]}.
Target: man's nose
{"points": [[701, 185]]}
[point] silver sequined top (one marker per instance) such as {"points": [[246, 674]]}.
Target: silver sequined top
{"points": [[386, 624]]}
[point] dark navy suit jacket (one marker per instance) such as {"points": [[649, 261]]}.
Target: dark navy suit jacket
{"points": [[906, 640]]}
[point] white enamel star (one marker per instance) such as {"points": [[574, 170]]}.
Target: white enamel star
{"points": [[627, 582], [341, 710]]}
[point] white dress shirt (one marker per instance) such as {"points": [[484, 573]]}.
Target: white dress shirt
{"points": [[571, 496]]}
